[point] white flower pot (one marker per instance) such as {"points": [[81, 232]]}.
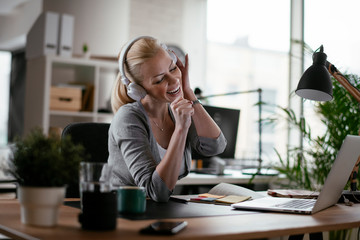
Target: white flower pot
{"points": [[40, 205], [87, 54]]}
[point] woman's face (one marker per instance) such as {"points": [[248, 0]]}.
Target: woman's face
{"points": [[161, 77]]}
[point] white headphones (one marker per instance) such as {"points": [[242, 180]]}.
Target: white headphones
{"points": [[135, 91]]}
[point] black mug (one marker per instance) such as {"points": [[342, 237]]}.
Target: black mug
{"points": [[99, 210]]}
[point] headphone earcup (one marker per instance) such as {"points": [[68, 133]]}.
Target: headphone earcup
{"points": [[135, 91]]}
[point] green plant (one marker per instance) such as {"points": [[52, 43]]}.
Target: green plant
{"points": [[85, 48], [308, 167], [44, 161]]}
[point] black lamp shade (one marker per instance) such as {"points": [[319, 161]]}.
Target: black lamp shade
{"points": [[315, 83]]}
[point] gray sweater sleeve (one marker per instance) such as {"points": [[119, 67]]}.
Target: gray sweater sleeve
{"points": [[133, 152]]}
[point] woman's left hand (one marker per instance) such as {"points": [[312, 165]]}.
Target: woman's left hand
{"points": [[188, 92]]}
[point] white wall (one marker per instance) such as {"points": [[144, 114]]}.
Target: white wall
{"points": [[161, 19], [181, 22], [103, 25], [106, 25], [195, 40], [14, 26]]}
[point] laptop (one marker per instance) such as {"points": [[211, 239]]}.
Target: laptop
{"points": [[330, 193]]}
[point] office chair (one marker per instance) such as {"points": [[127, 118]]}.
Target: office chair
{"points": [[94, 137]]}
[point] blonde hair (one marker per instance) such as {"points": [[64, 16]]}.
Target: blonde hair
{"points": [[139, 52]]}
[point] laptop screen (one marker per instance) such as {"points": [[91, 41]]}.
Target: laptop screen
{"points": [[228, 121]]}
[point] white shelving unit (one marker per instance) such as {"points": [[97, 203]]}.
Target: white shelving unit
{"points": [[47, 71]]}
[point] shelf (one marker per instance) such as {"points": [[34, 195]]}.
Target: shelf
{"points": [[47, 71], [69, 113], [79, 114], [83, 61]]}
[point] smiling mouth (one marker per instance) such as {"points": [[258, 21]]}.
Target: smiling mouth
{"points": [[175, 91]]}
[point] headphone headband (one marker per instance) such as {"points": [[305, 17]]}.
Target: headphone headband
{"points": [[122, 58]]}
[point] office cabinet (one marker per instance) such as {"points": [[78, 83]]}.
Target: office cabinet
{"points": [[96, 77]]}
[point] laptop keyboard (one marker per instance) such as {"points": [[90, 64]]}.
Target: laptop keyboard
{"points": [[297, 204]]}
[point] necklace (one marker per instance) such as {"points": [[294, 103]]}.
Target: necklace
{"points": [[162, 129]]}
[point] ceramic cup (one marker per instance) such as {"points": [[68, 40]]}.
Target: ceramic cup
{"points": [[131, 199], [98, 201]]}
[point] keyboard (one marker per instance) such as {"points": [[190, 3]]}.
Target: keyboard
{"points": [[297, 204]]}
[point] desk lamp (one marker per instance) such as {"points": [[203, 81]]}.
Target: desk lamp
{"points": [[315, 84]]}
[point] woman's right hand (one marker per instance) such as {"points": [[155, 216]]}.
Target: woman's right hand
{"points": [[182, 110]]}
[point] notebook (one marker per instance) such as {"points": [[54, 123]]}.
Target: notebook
{"points": [[330, 193]]}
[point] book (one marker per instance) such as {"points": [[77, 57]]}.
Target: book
{"points": [[292, 193], [226, 194], [231, 189], [230, 199]]}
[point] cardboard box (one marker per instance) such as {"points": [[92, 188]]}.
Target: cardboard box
{"points": [[65, 98]]}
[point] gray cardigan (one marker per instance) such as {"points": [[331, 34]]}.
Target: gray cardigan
{"points": [[134, 155]]}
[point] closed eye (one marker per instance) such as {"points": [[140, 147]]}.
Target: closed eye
{"points": [[173, 69], [163, 77], [160, 80]]}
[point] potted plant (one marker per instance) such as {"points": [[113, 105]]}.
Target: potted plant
{"points": [[86, 52], [43, 166]]}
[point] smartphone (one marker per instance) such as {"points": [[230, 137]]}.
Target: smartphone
{"points": [[164, 228]]}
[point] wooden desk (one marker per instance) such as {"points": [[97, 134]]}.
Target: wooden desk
{"points": [[249, 225]]}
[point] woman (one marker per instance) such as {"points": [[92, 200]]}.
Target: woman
{"points": [[157, 121]]}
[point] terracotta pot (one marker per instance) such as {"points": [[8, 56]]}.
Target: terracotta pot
{"points": [[40, 205]]}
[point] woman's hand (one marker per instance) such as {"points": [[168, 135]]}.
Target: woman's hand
{"points": [[188, 92], [182, 110]]}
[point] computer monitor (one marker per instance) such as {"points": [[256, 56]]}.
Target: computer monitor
{"points": [[228, 121]]}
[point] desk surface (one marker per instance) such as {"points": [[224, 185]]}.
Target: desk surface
{"points": [[249, 225]]}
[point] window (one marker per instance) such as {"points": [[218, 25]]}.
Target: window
{"points": [[331, 23], [5, 63], [248, 48]]}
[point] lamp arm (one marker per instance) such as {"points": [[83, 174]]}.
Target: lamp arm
{"points": [[343, 81]]}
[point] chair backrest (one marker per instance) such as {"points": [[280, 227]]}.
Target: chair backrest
{"points": [[94, 137]]}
